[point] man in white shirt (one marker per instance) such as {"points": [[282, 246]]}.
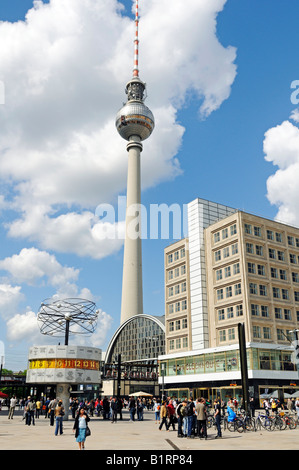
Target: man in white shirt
{"points": [[12, 407]]}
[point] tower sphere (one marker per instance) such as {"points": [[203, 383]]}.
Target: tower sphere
{"points": [[135, 118]]}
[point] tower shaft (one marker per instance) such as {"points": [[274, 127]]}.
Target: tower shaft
{"points": [[132, 289]]}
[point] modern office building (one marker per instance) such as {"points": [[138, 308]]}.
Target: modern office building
{"points": [[240, 268]]}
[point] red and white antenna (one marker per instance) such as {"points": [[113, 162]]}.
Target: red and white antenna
{"points": [[136, 43]]}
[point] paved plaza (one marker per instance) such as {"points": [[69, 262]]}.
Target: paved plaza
{"points": [[133, 436]]}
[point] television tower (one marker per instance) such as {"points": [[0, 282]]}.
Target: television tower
{"points": [[135, 123]]}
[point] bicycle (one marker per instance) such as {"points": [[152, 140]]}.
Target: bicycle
{"points": [[289, 420], [278, 422], [236, 425], [263, 421]]}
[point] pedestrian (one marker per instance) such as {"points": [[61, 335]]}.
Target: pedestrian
{"points": [[38, 409], [114, 410], [140, 408], [183, 411], [201, 411], [132, 408], [157, 406], [217, 415], [163, 416], [30, 411], [252, 407], [59, 414], [171, 415], [190, 417], [52, 406], [80, 427], [12, 407], [179, 418]]}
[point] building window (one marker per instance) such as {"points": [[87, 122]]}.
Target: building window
{"points": [[178, 343], [177, 306], [176, 255], [291, 240], [256, 331], [178, 324], [218, 274], [276, 293], [249, 248], [278, 237], [170, 291], [224, 233], [176, 272], [259, 250], [252, 288], [265, 311], [171, 326], [239, 310], [183, 252], [230, 312], [170, 308], [296, 295], [263, 290], [261, 270], [231, 334], [278, 313], [221, 314], [295, 277], [287, 314], [257, 231], [274, 273], [216, 237], [233, 229], [280, 255], [280, 334], [272, 253], [270, 235], [236, 268], [222, 336], [248, 228], [170, 258], [266, 332], [283, 274], [177, 289], [184, 323], [183, 287], [226, 252], [229, 291], [255, 311], [235, 249], [170, 275], [171, 345], [227, 271], [285, 294], [184, 304], [185, 342], [251, 268], [238, 289], [218, 255], [293, 259], [219, 294], [183, 269]]}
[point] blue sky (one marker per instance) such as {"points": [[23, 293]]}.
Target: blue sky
{"points": [[219, 84]]}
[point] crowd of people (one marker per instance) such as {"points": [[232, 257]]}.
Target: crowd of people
{"points": [[188, 417]]}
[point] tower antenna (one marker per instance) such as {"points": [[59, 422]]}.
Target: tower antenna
{"points": [[136, 43]]}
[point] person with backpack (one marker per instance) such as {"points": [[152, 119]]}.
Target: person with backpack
{"points": [[179, 418], [190, 417]]}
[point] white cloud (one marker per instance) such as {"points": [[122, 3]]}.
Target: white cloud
{"points": [[32, 264], [23, 326], [281, 147], [65, 70], [10, 297]]}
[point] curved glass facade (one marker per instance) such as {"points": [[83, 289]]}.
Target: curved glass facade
{"points": [[142, 338]]}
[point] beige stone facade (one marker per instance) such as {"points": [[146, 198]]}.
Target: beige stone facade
{"points": [[177, 297], [252, 267]]}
